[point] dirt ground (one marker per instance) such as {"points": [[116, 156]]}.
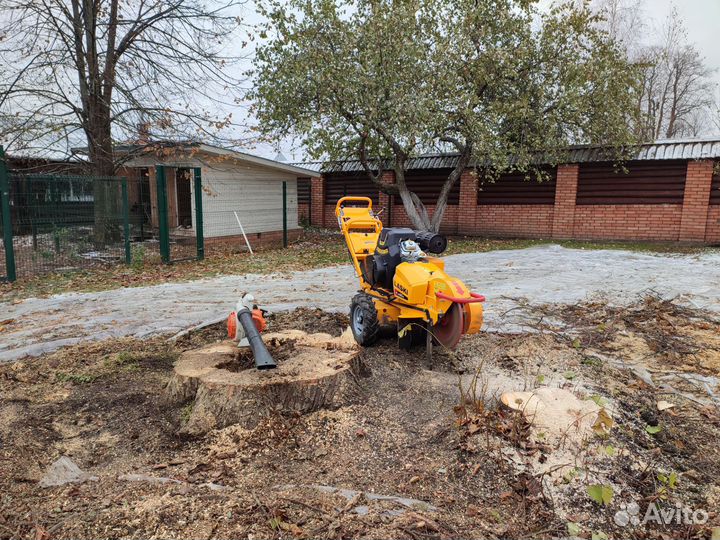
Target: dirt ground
{"points": [[464, 466]]}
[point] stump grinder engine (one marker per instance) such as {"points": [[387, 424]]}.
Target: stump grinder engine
{"points": [[401, 286], [244, 326]]}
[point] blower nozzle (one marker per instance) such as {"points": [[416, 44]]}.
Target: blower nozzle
{"points": [[251, 323], [262, 357]]}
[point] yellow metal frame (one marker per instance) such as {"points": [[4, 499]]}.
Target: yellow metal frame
{"points": [[361, 229], [417, 282]]}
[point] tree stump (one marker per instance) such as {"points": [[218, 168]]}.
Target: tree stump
{"points": [[314, 371]]}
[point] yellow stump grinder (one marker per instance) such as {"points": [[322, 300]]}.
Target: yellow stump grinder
{"points": [[401, 286]]}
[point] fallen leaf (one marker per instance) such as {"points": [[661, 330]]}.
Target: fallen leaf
{"points": [[609, 450], [473, 428], [600, 493], [664, 405], [291, 528], [603, 423]]}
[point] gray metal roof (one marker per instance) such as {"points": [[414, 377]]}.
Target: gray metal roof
{"points": [[140, 149], [659, 150]]}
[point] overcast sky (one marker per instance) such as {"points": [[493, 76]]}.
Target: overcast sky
{"points": [[702, 18]]}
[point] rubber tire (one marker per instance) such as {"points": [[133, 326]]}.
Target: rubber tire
{"points": [[365, 307]]}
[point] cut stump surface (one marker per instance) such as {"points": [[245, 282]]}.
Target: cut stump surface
{"points": [[314, 371]]}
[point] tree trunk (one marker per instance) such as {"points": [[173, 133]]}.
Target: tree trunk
{"points": [[441, 205], [107, 200]]}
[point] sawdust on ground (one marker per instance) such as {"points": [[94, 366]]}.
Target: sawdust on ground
{"points": [[437, 437]]}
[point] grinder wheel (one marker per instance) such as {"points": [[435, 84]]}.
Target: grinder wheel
{"points": [[364, 319], [449, 329]]}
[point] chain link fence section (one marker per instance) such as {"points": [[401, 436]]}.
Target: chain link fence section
{"points": [[64, 223], [69, 223]]}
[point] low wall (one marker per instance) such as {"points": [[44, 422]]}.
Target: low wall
{"points": [[260, 239], [514, 220], [657, 200], [659, 222]]}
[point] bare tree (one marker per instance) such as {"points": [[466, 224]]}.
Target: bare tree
{"points": [[677, 85], [91, 71], [675, 96], [624, 21], [715, 112]]}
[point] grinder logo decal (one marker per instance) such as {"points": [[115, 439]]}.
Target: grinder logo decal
{"points": [[401, 291]]}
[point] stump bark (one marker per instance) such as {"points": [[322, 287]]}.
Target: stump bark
{"points": [[314, 371]]}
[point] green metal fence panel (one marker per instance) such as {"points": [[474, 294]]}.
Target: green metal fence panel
{"points": [[65, 223], [240, 210], [199, 231], [180, 239], [126, 220], [8, 247], [162, 204]]}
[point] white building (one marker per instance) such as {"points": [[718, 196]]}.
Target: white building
{"points": [[233, 184]]}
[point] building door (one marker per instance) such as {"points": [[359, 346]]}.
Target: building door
{"points": [[183, 183]]}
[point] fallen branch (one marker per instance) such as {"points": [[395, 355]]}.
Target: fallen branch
{"points": [[197, 327]]}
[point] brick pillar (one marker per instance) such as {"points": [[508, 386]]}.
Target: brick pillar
{"points": [[467, 209], [317, 201], [385, 201], [696, 201], [565, 197]]}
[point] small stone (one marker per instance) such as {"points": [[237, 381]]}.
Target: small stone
{"points": [[65, 471]]}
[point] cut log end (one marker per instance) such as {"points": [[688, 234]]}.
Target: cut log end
{"points": [[315, 371]]}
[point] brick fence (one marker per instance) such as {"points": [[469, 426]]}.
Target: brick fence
{"points": [[653, 202]]}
